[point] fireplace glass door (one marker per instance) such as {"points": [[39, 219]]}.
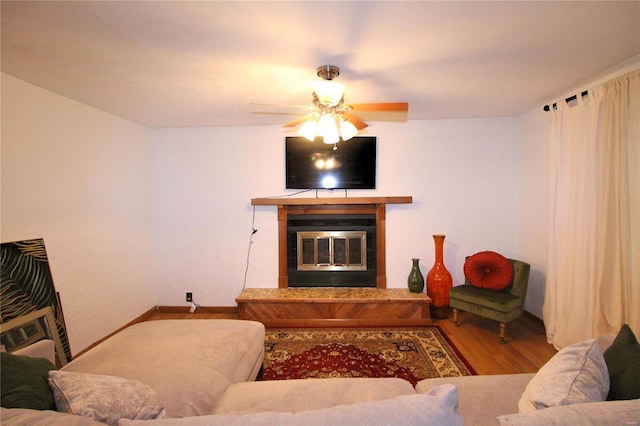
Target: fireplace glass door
{"points": [[332, 250]]}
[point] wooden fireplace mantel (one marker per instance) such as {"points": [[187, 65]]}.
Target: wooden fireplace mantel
{"points": [[282, 201], [342, 205]]}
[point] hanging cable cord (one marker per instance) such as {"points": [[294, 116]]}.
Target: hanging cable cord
{"points": [[253, 231], [290, 195]]}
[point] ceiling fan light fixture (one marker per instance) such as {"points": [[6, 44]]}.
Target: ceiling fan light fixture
{"points": [[347, 129], [331, 139], [328, 129], [326, 125], [330, 117], [308, 129], [328, 72], [328, 92]]}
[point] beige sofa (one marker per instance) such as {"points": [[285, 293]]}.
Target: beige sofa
{"points": [[186, 365], [472, 400]]}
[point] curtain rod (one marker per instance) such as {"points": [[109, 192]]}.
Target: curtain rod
{"points": [[569, 99]]}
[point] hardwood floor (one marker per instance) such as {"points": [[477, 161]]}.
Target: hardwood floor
{"points": [[476, 339]]}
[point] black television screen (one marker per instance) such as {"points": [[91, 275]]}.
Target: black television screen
{"points": [[315, 165]]}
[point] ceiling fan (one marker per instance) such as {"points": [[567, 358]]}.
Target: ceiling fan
{"points": [[330, 117]]}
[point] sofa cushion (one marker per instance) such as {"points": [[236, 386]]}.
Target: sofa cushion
{"points": [[593, 413], [22, 417], [483, 398], [488, 269], [500, 301], [623, 362], [308, 394], [104, 398], [23, 381], [574, 375], [437, 407], [44, 348]]}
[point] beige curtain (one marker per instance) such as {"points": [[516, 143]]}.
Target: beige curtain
{"points": [[593, 276]]}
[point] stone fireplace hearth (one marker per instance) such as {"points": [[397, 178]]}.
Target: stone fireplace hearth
{"points": [[332, 242]]}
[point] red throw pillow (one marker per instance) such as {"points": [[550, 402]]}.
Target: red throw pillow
{"points": [[488, 269]]}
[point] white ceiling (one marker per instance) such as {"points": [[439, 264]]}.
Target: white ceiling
{"points": [[202, 63]]}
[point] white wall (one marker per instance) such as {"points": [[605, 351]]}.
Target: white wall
{"points": [[462, 174], [533, 181], [80, 179]]}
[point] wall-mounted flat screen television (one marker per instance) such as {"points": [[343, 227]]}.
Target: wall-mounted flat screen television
{"points": [[316, 165]]}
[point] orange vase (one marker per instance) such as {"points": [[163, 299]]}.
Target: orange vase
{"points": [[439, 282]]}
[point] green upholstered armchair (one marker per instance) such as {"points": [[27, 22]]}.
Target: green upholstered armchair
{"points": [[502, 305]]}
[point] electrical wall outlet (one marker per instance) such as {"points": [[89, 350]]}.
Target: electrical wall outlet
{"points": [[189, 297]]}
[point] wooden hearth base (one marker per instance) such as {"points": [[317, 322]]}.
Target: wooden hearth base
{"points": [[340, 307]]}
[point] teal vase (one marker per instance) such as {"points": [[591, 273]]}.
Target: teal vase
{"points": [[415, 280]]}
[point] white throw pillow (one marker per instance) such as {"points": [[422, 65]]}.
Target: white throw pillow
{"points": [[576, 374], [437, 407], [104, 398]]}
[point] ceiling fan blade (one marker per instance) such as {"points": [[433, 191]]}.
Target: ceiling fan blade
{"points": [[355, 120], [298, 121], [297, 114], [309, 107], [381, 106]]}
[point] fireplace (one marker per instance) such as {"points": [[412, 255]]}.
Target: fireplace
{"points": [[331, 242], [331, 250]]}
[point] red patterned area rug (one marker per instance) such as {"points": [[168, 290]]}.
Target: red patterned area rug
{"points": [[411, 353]]}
